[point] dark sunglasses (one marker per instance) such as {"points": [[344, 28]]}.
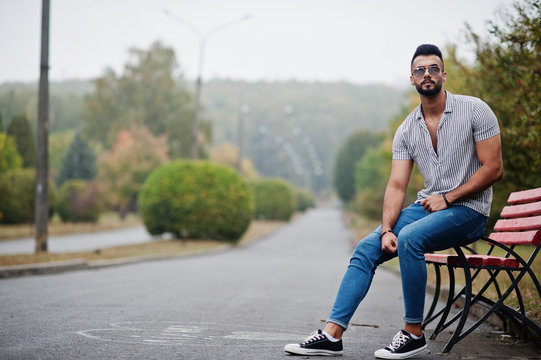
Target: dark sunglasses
{"points": [[433, 70]]}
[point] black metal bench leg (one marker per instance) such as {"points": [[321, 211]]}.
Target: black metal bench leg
{"points": [[467, 302], [448, 304]]}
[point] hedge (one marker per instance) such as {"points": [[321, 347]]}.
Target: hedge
{"points": [[18, 196], [78, 201], [196, 199], [274, 198]]}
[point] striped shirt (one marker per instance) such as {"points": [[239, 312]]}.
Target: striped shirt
{"points": [[464, 121]]}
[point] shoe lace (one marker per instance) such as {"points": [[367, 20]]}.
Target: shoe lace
{"points": [[398, 340], [315, 336]]}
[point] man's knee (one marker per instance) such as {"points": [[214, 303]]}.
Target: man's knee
{"points": [[410, 240]]}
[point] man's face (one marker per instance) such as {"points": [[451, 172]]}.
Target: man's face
{"points": [[425, 75]]}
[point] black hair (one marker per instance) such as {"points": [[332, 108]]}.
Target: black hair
{"points": [[427, 49]]}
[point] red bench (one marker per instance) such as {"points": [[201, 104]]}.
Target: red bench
{"points": [[519, 225]]}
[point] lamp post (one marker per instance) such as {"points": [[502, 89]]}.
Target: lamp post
{"points": [[203, 38], [42, 164], [244, 109]]}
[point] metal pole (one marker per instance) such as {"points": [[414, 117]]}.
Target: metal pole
{"points": [[202, 37], [197, 100], [42, 166], [243, 110]]}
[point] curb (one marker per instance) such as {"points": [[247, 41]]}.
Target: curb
{"points": [[56, 267]]}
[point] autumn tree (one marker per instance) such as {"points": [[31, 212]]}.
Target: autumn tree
{"points": [[145, 94], [21, 131], [227, 154], [123, 170]]}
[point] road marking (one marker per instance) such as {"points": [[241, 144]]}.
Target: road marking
{"points": [[188, 334]]}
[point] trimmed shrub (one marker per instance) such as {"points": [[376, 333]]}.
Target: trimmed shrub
{"points": [[274, 199], [18, 196], [199, 200], [304, 199], [78, 201]]}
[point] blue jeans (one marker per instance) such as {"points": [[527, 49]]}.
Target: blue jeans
{"points": [[418, 232]]}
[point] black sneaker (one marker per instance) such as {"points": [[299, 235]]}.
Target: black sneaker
{"points": [[403, 346], [316, 344]]}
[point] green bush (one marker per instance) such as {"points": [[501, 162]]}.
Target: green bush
{"points": [[304, 199], [199, 200], [78, 201], [274, 199], [18, 196]]}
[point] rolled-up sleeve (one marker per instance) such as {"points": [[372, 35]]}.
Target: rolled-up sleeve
{"points": [[485, 123], [400, 149]]}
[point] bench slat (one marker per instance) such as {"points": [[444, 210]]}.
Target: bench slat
{"points": [[521, 210], [529, 223], [526, 196], [518, 238], [473, 260]]}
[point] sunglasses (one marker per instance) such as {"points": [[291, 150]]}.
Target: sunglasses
{"points": [[433, 70]]}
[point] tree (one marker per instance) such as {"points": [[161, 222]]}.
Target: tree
{"points": [[146, 94], [79, 162], [9, 156], [507, 75], [21, 131], [349, 154], [123, 170], [58, 144]]}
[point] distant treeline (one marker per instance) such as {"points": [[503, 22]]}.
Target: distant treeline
{"points": [[291, 129]]}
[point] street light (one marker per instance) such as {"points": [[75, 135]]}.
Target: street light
{"points": [[203, 38]]}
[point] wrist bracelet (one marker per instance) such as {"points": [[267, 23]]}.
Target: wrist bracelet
{"points": [[446, 201], [385, 232]]}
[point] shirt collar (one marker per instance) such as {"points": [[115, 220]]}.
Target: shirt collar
{"points": [[449, 105]]}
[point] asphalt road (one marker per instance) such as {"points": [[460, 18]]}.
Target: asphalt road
{"points": [[243, 303]]}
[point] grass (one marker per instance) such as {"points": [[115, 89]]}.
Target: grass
{"points": [[256, 230], [361, 227]]}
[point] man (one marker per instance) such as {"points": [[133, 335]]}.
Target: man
{"points": [[454, 141]]}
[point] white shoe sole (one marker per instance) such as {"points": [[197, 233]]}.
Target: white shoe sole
{"points": [[296, 349], [384, 354]]}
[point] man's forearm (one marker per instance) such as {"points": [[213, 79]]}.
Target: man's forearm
{"points": [[393, 201], [482, 179]]}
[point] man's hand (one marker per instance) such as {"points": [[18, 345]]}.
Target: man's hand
{"points": [[388, 243], [434, 202]]}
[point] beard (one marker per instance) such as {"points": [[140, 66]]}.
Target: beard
{"points": [[429, 92]]}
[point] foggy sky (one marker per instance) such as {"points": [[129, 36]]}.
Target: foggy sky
{"points": [[359, 41]]}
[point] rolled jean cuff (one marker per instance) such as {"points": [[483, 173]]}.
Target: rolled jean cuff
{"points": [[413, 321], [339, 323]]}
